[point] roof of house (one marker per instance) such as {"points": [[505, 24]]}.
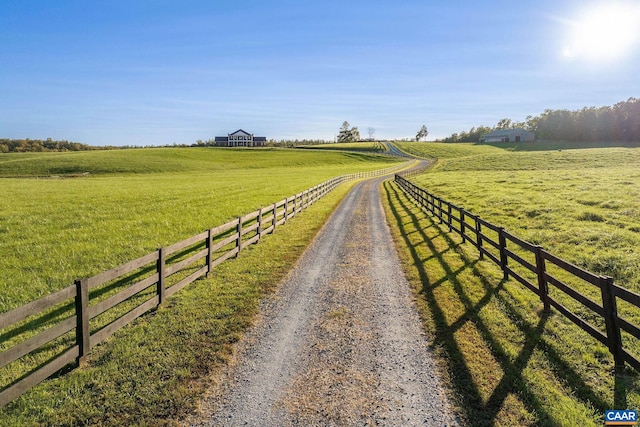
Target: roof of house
{"points": [[240, 131]]}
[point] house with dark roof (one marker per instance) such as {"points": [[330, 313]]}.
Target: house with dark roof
{"points": [[240, 138], [508, 135]]}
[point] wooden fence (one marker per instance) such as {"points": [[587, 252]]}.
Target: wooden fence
{"points": [[70, 322], [605, 313]]}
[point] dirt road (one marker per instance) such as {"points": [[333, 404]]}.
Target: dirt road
{"points": [[340, 343]]}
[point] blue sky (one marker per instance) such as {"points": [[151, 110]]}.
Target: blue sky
{"points": [[142, 72]]}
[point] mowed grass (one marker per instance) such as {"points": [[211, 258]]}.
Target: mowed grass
{"points": [[164, 160], [436, 150], [134, 201], [581, 204], [369, 146], [509, 362], [440, 150]]}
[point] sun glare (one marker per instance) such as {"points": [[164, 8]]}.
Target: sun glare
{"points": [[604, 32]]}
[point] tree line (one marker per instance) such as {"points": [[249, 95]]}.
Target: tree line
{"points": [[48, 145], [39, 145], [620, 122]]}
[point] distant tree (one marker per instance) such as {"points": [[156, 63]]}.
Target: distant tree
{"points": [[355, 134], [422, 133], [348, 133], [344, 134], [531, 123], [504, 124], [620, 122], [38, 145]]}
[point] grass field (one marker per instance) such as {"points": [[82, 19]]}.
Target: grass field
{"points": [[155, 371], [134, 201], [582, 204], [447, 151], [58, 229], [366, 147], [510, 363]]}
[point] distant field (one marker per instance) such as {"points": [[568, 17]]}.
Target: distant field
{"points": [[350, 146], [436, 150], [165, 160], [134, 201], [451, 150]]}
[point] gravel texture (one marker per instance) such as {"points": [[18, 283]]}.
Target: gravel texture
{"points": [[340, 342]]}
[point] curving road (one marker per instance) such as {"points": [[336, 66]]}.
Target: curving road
{"points": [[340, 343], [393, 150]]}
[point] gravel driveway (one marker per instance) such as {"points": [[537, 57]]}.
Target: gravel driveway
{"points": [[340, 342]]}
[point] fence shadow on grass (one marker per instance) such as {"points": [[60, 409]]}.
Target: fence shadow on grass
{"points": [[479, 410]]}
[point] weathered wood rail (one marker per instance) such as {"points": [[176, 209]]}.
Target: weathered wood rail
{"points": [[545, 274], [60, 329]]}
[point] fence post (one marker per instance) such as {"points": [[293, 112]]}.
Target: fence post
{"points": [[449, 216], [462, 225], [479, 236], [210, 251], [239, 239], [611, 320], [286, 210], [82, 320], [440, 210], [275, 216], [260, 224], [543, 286], [503, 253], [161, 286]]}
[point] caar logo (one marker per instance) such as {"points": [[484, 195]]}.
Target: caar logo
{"points": [[621, 418]]}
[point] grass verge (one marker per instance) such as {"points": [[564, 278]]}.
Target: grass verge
{"points": [[507, 361], [155, 371]]}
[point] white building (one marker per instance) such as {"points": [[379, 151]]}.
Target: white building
{"points": [[240, 138], [508, 135]]}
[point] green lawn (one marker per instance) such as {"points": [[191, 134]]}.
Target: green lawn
{"points": [[581, 204], [453, 150], [134, 201], [350, 146], [510, 363]]}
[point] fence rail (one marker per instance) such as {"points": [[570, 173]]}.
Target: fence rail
{"points": [[77, 318], [531, 266]]}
